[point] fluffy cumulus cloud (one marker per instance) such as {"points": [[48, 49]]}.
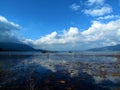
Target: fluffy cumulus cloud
{"points": [[97, 8], [55, 41], [6, 28], [75, 7], [104, 33], [98, 35]]}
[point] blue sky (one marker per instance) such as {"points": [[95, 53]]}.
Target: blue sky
{"points": [[61, 24]]}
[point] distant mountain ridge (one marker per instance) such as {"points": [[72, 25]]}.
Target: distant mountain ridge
{"points": [[107, 48], [9, 46]]}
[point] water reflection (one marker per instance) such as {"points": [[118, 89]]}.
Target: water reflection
{"points": [[61, 71]]}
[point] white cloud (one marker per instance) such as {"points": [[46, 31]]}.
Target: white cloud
{"points": [[103, 34], [98, 2], [109, 17], [97, 35], [57, 41], [75, 7], [97, 8], [54, 38], [5, 30], [5, 24], [98, 11]]}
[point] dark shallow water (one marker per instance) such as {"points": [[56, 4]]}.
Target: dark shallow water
{"points": [[60, 71]]}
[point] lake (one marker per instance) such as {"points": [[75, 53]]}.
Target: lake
{"points": [[60, 71]]}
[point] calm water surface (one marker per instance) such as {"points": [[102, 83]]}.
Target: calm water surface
{"points": [[59, 71]]}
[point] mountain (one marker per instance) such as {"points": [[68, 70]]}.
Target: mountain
{"points": [[107, 48], [6, 46]]}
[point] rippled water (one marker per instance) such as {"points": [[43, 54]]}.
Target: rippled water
{"points": [[62, 71]]}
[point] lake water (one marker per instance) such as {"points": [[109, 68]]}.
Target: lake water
{"points": [[59, 71]]}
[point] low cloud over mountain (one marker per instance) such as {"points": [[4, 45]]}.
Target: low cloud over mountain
{"points": [[6, 30]]}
